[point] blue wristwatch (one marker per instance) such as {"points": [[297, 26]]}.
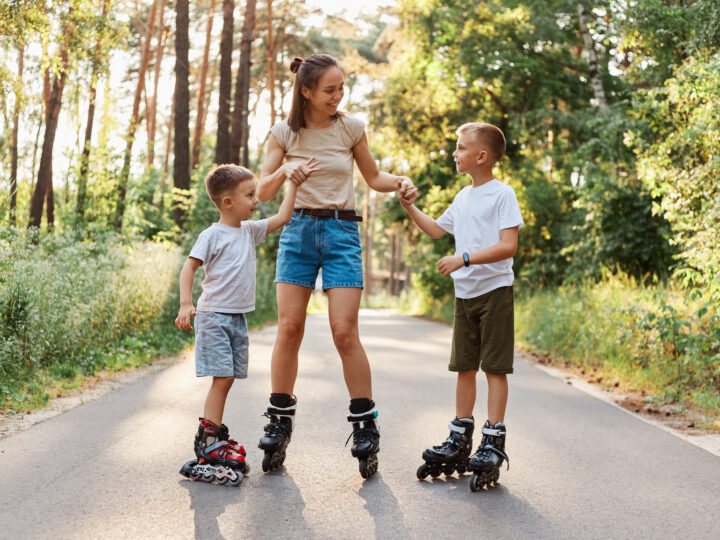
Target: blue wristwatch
{"points": [[466, 259]]}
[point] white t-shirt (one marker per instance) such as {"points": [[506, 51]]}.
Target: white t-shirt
{"points": [[476, 217], [228, 256]]}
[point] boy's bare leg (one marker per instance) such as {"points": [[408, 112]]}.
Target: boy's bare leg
{"points": [[344, 303], [465, 392], [497, 397], [292, 301], [215, 400]]}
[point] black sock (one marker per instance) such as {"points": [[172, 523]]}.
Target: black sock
{"points": [[282, 400], [361, 405]]}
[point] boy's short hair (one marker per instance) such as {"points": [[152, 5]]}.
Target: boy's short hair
{"points": [[224, 178], [486, 134]]}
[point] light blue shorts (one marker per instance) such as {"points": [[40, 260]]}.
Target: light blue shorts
{"points": [[310, 243], [221, 345]]}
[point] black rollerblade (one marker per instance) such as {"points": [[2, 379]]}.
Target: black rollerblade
{"points": [[366, 441], [452, 455], [277, 435], [219, 459], [486, 462]]}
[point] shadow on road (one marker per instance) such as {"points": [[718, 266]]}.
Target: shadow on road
{"points": [[493, 508], [208, 502], [381, 504]]}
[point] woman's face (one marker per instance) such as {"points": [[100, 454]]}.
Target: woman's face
{"points": [[328, 93]]}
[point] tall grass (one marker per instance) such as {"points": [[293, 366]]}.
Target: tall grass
{"points": [[70, 308], [661, 340]]}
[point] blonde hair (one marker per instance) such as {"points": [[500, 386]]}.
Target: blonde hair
{"points": [[487, 135], [223, 179]]}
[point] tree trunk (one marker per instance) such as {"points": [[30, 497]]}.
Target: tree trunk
{"points": [[14, 150], [171, 123], [181, 166], [152, 109], [239, 138], [130, 137], [43, 188], [200, 117], [593, 63], [271, 61], [85, 156], [222, 143]]}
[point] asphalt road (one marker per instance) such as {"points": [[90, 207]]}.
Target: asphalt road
{"points": [[580, 468]]}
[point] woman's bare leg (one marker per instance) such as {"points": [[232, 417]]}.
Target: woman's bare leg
{"points": [[292, 301], [344, 303]]}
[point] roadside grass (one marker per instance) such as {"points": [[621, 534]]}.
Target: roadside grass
{"points": [[71, 309]]}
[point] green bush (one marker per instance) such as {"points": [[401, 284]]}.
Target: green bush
{"points": [[69, 307], [658, 339]]}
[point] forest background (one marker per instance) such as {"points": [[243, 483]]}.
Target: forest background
{"points": [[113, 111]]}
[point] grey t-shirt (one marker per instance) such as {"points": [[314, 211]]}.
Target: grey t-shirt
{"points": [[228, 256]]}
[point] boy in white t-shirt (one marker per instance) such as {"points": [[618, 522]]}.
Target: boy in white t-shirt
{"points": [[485, 219], [227, 251]]}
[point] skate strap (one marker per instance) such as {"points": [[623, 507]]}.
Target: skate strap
{"points": [[282, 411], [363, 417], [494, 432], [456, 428], [498, 452]]}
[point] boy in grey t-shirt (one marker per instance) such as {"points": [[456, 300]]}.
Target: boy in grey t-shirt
{"points": [[485, 220], [227, 251]]}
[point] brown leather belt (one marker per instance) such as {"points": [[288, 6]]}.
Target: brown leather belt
{"points": [[347, 215]]}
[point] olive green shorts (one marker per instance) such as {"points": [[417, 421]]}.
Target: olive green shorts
{"points": [[484, 333]]}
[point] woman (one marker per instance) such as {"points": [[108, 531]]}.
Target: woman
{"points": [[318, 145]]}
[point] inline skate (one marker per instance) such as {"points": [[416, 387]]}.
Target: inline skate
{"points": [[366, 440], [219, 459], [453, 454], [277, 435], [486, 462]]}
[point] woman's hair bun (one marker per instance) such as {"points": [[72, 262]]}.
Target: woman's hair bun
{"points": [[295, 64]]}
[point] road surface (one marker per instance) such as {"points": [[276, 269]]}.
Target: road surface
{"points": [[580, 468]]}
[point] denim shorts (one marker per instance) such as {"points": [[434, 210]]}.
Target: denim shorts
{"points": [[221, 345], [310, 243]]}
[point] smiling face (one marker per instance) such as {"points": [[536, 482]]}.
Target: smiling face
{"points": [[328, 92], [468, 153], [241, 201]]}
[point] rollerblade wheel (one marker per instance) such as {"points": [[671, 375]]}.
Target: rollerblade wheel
{"points": [[368, 466], [476, 482], [461, 469], [423, 471], [448, 470], [237, 481], [435, 472], [266, 462], [222, 481]]}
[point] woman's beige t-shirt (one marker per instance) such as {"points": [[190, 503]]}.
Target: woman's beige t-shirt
{"points": [[331, 185]]}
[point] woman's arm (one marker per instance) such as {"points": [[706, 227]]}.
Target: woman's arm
{"points": [[375, 178], [273, 173]]}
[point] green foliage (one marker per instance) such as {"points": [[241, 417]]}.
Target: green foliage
{"points": [[69, 307], [659, 340], [679, 160]]}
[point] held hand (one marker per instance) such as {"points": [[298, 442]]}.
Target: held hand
{"points": [[300, 172], [407, 201], [184, 318], [449, 264], [405, 186]]}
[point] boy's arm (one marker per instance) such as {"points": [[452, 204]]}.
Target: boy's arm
{"points": [[286, 209], [421, 219], [187, 310], [504, 249]]}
